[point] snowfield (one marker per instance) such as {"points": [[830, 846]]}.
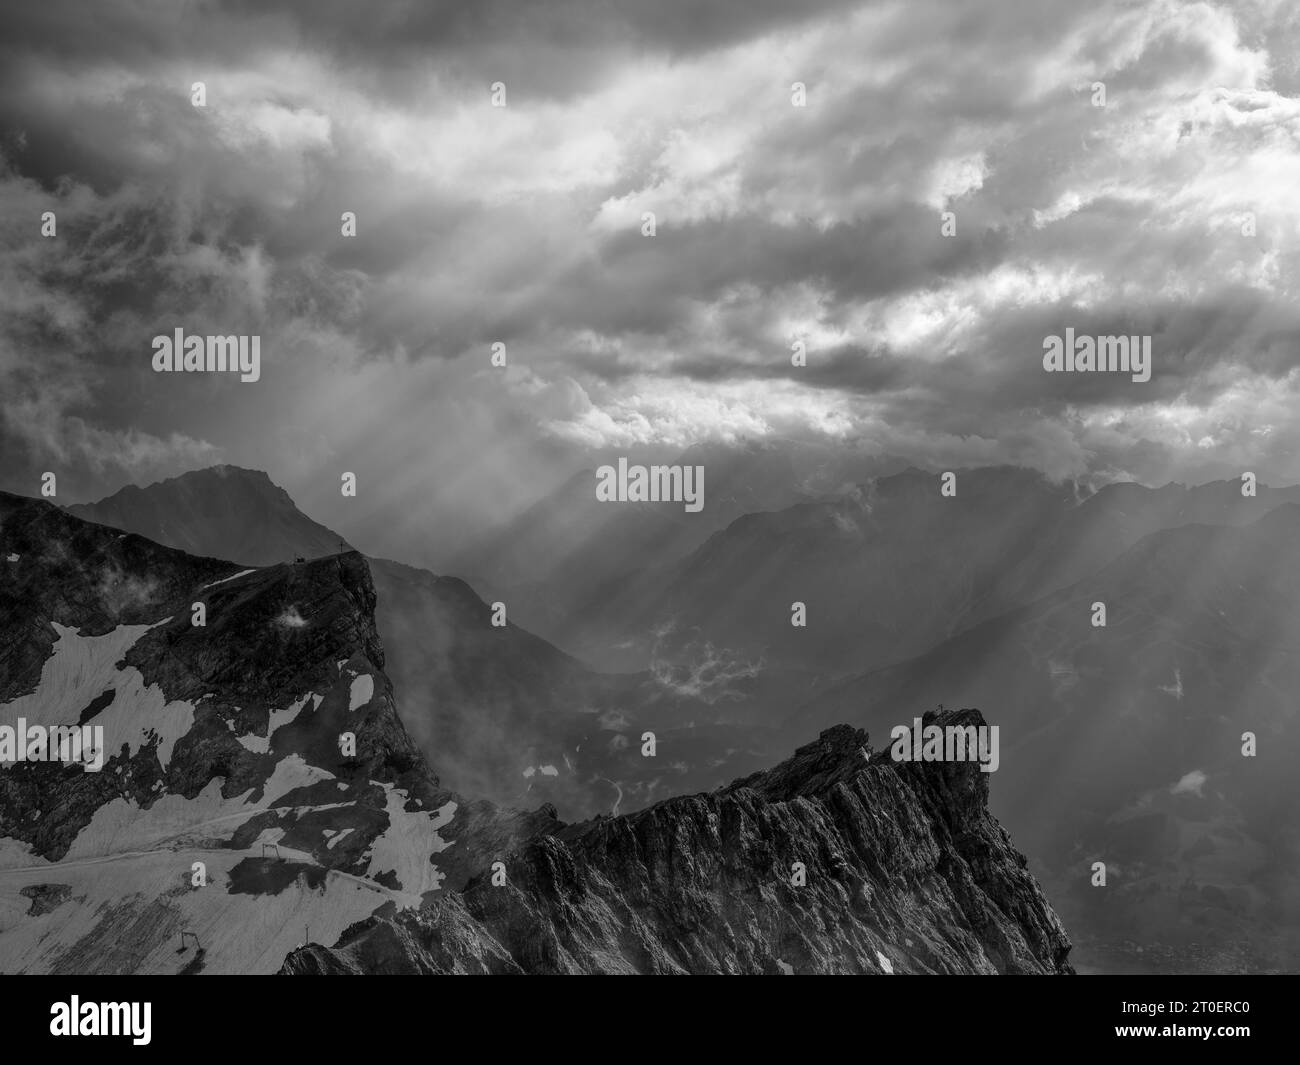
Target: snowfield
{"points": [[119, 899], [410, 839], [83, 667], [278, 719], [126, 913]]}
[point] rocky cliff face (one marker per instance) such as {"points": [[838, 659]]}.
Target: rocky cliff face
{"points": [[82, 607], [904, 871], [257, 787], [231, 805]]}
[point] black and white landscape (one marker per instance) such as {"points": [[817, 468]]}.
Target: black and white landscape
{"points": [[656, 488]]}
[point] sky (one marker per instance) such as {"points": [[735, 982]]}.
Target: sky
{"points": [[1169, 211]]}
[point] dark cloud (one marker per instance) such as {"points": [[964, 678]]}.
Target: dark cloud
{"points": [[551, 48], [522, 225]]}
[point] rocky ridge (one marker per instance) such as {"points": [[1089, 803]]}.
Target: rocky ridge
{"points": [[906, 872]]}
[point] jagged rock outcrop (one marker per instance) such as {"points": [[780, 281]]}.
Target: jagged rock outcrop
{"points": [[906, 872]]}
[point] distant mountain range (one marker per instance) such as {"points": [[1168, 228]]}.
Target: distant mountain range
{"points": [[885, 569]]}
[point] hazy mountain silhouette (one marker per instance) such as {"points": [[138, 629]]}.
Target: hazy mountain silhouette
{"points": [[583, 572], [894, 567]]}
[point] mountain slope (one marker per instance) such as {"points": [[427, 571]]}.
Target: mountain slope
{"points": [[485, 701]]}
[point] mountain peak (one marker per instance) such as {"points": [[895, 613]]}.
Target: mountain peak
{"points": [[221, 511]]}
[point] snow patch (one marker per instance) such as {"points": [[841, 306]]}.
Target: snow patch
{"points": [[238, 933], [363, 690], [84, 667], [256, 744], [885, 963], [291, 773], [123, 826], [232, 577], [409, 841], [268, 835], [278, 719]]}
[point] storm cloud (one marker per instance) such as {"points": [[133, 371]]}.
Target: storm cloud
{"points": [[953, 191]]}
